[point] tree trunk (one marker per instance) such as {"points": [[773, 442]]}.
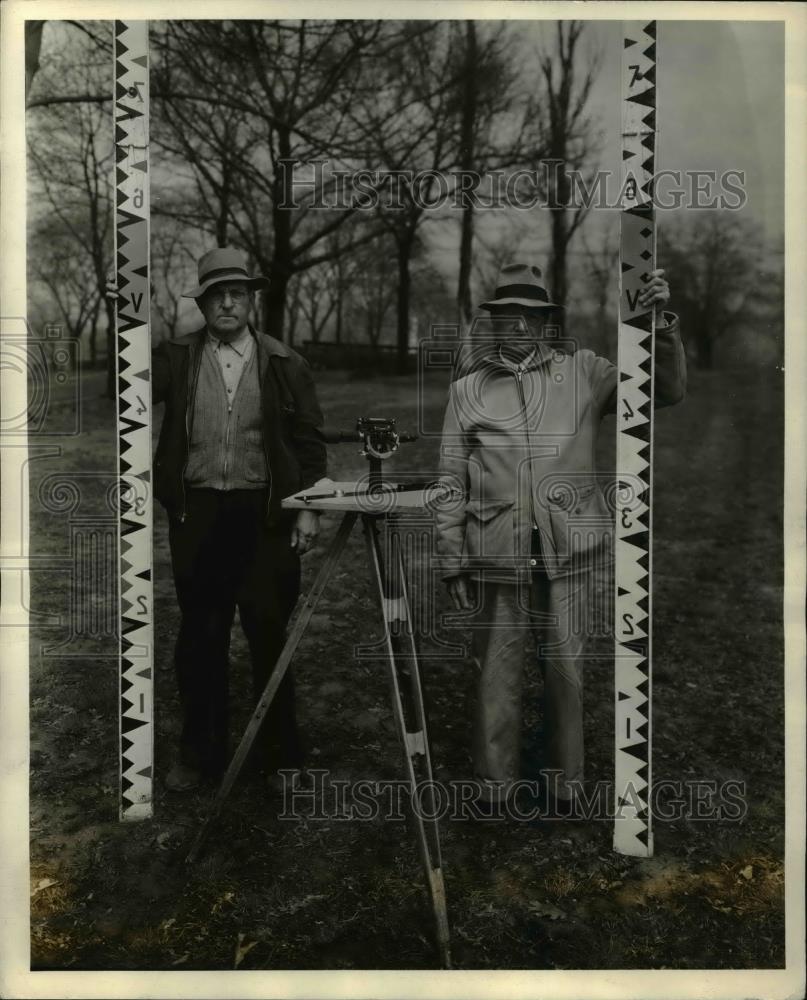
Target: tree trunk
{"points": [[94, 335], [314, 326], [464, 306], [339, 301], [222, 216], [110, 350], [404, 291], [468, 124], [33, 46], [291, 321], [560, 231], [704, 347], [274, 299]]}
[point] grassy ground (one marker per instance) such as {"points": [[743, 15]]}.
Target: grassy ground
{"points": [[345, 894]]}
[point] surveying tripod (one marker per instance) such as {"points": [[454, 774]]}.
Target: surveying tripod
{"points": [[376, 502]]}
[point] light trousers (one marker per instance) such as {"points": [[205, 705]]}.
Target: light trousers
{"points": [[561, 614]]}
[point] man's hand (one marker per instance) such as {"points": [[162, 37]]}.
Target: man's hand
{"points": [[305, 531], [656, 292], [461, 592]]}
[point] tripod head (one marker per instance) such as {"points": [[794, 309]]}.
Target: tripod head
{"points": [[379, 439], [378, 436]]}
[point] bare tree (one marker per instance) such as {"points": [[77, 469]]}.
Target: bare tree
{"points": [[251, 108], [600, 261], [67, 279], [411, 130], [720, 271], [253, 119], [172, 272], [293, 308], [316, 299], [568, 137], [498, 127], [373, 292], [70, 159], [467, 164]]}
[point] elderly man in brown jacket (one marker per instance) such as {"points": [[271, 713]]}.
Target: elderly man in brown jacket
{"points": [[526, 548], [241, 430]]}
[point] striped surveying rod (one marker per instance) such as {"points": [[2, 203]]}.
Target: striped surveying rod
{"points": [[634, 451], [133, 357]]}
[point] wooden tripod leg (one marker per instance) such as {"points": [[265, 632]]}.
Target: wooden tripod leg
{"points": [[280, 668], [431, 828], [410, 717]]}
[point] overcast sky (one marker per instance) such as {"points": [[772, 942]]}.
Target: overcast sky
{"points": [[721, 103], [721, 107], [721, 99]]}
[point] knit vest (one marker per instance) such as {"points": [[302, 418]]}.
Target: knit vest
{"points": [[226, 447]]}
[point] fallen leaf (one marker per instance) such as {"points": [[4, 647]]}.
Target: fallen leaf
{"points": [[748, 872], [547, 910], [44, 883], [242, 948], [298, 904]]}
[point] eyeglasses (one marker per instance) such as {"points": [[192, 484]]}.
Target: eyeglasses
{"points": [[237, 295]]}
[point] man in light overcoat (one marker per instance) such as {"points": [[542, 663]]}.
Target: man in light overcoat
{"points": [[528, 547]]}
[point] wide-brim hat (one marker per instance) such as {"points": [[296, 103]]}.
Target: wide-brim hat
{"points": [[223, 264], [520, 285]]}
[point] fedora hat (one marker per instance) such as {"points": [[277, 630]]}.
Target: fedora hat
{"points": [[222, 264], [520, 285]]}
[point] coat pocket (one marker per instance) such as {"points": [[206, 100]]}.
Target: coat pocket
{"points": [[490, 530], [581, 522], [252, 458]]}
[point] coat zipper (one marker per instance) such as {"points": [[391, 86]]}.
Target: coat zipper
{"points": [[519, 376], [261, 377]]}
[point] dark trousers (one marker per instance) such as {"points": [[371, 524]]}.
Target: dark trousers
{"points": [[223, 557]]}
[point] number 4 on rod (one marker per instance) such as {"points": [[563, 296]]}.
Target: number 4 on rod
{"points": [[633, 546], [133, 356]]}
